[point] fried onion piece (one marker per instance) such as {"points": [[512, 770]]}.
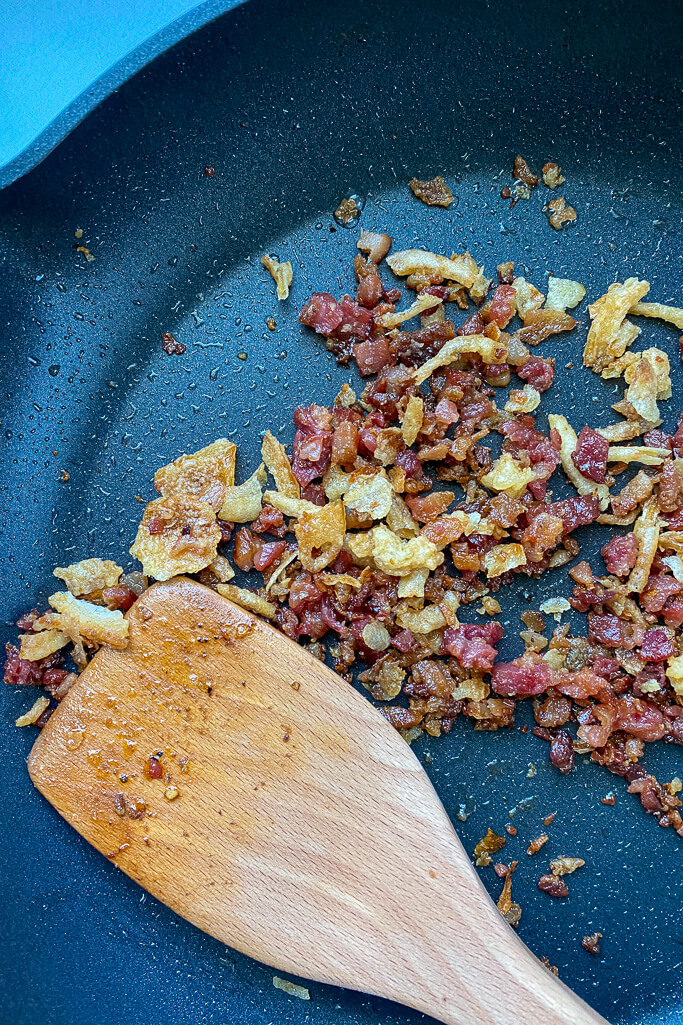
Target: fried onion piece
{"points": [[421, 621], [462, 269], [281, 274], [412, 419], [34, 713], [647, 530], [563, 294], [399, 557], [242, 503], [400, 519], [93, 622], [671, 314], [39, 645], [89, 575], [248, 600], [503, 558], [203, 476], [568, 445], [624, 431], [422, 303], [279, 467], [604, 343], [289, 506], [177, 534], [320, 531], [523, 400], [489, 350], [375, 244], [646, 454], [508, 475], [674, 671], [369, 495], [527, 296]]}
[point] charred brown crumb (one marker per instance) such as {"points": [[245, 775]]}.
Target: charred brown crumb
{"points": [[170, 346], [434, 192], [591, 943]]}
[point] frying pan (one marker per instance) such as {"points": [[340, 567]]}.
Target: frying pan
{"points": [[296, 105]]}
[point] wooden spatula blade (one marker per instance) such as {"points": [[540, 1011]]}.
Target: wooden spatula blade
{"points": [[290, 821]]}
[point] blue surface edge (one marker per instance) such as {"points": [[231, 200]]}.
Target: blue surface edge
{"points": [[107, 83]]}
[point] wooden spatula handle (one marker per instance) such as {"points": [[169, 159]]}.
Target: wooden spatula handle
{"points": [[468, 967]]}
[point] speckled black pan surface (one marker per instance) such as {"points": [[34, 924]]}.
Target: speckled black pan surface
{"points": [[296, 105]]}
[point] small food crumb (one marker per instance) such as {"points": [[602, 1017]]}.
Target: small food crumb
{"points": [[511, 830], [488, 845], [549, 966], [536, 844], [291, 988], [78, 233], [553, 886], [531, 771], [86, 253], [295, 686], [523, 172], [347, 211], [209, 171], [434, 192], [552, 175], [549, 819], [610, 798], [242, 356], [170, 793], [592, 943], [565, 866], [510, 911], [170, 346], [64, 476], [491, 605], [559, 213], [271, 324]]}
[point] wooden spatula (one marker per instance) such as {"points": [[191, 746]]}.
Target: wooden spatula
{"points": [[289, 821]]}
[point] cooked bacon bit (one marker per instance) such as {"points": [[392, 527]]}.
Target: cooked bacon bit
{"points": [[523, 677], [511, 830], [539, 373], [26, 621], [590, 455], [592, 943], [549, 819], [269, 521], [536, 844], [372, 356], [553, 886], [523, 172], [473, 645], [630, 497], [552, 175], [657, 645], [119, 597], [246, 547], [501, 307], [268, 554], [434, 192], [312, 447], [620, 554], [170, 346], [669, 487], [562, 752], [560, 213], [21, 672], [209, 172], [322, 312], [541, 324], [554, 710], [488, 845]]}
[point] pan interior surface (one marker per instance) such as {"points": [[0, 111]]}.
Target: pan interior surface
{"points": [[295, 108]]}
